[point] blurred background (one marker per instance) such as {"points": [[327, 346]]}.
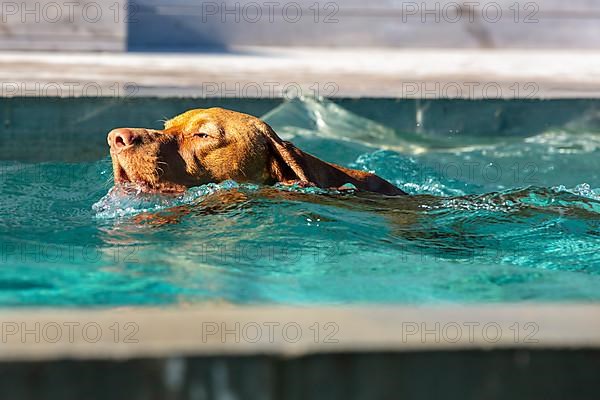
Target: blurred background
{"points": [[195, 25], [344, 48]]}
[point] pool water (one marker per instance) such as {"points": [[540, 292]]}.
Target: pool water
{"points": [[492, 219]]}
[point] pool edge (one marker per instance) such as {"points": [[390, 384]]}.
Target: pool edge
{"points": [[139, 332]]}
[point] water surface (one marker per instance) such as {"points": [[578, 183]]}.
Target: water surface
{"points": [[493, 219]]}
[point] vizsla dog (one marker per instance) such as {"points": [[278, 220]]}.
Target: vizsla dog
{"points": [[214, 145]]}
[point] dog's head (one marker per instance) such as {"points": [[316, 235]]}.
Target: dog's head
{"points": [[201, 146], [213, 145]]}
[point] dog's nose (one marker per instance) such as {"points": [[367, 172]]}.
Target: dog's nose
{"points": [[122, 138]]}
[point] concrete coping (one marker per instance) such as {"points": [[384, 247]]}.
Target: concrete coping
{"points": [[259, 72], [222, 329]]}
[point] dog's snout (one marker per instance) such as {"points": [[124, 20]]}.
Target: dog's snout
{"points": [[122, 138]]}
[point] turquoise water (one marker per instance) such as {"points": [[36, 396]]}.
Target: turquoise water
{"points": [[492, 220]]}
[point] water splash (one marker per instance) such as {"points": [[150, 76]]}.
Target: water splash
{"points": [[120, 202], [308, 116]]}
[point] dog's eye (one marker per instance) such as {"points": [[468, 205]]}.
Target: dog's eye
{"points": [[201, 135]]}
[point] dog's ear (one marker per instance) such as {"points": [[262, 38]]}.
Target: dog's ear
{"points": [[287, 163]]}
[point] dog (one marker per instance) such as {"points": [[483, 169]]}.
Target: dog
{"points": [[213, 145]]}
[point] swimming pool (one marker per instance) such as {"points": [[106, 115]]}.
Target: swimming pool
{"points": [[496, 218]]}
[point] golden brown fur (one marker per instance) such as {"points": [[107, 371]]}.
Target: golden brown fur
{"points": [[213, 145]]}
